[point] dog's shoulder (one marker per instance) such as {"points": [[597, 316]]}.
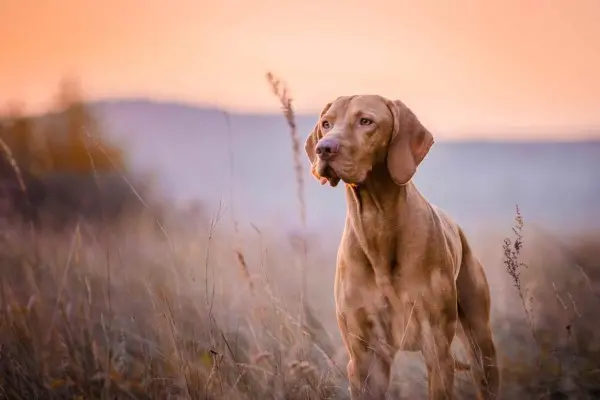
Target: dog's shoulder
{"points": [[452, 233], [450, 227]]}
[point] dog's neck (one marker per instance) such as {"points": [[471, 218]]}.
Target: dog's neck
{"points": [[376, 211], [378, 194]]}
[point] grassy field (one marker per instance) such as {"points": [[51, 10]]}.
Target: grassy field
{"points": [[124, 310]]}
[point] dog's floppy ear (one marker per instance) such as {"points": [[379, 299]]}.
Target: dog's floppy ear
{"points": [[409, 144], [311, 142]]}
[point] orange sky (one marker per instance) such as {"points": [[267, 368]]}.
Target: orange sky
{"points": [[467, 65]]}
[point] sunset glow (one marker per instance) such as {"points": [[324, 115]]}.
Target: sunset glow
{"points": [[469, 66]]}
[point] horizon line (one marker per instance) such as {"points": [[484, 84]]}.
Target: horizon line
{"points": [[470, 137]]}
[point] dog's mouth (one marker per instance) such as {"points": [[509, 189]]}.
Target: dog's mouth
{"points": [[326, 171]]}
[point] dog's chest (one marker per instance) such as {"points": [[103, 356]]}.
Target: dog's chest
{"points": [[372, 317]]}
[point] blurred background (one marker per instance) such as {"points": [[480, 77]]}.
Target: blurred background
{"points": [[145, 136]]}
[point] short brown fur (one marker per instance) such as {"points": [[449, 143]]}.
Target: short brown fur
{"points": [[406, 278]]}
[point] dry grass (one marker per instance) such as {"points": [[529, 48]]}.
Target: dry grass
{"points": [[512, 252], [281, 91], [139, 308], [564, 361], [85, 315], [7, 152], [112, 316]]}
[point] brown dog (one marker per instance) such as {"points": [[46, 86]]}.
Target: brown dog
{"points": [[405, 273]]}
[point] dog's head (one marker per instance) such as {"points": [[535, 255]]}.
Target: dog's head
{"points": [[356, 133]]}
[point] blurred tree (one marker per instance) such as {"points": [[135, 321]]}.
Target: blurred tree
{"points": [[4, 163], [70, 140], [76, 144], [78, 153], [57, 157], [16, 159], [17, 134]]}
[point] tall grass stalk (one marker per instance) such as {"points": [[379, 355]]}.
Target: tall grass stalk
{"points": [[280, 90]]}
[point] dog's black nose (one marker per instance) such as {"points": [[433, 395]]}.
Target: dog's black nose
{"points": [[327, 148]]}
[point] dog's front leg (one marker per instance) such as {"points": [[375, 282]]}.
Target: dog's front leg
{"points": [[439, 360], [369, 375], [370, 363]]}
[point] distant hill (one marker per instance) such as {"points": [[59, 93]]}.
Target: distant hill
{"points": [[555, 184]]}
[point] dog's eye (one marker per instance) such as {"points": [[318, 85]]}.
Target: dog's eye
{"points": [[365, 121], [325, 125]]}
